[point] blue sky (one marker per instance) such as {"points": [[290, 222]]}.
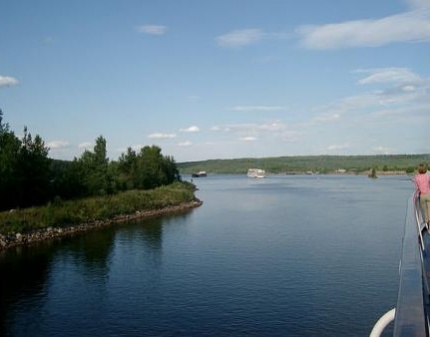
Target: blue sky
{"points": [[218, 79]]}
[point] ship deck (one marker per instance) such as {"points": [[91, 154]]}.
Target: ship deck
{"points": [[413, 302]]}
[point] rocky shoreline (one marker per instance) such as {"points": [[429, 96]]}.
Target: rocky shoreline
{"points": [[17, 239]]}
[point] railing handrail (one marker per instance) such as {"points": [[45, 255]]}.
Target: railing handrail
{"points": [[410, 318]]}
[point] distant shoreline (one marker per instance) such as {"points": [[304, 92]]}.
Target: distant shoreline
{"points": [[325, 164], [8, 241], [348, 173]]}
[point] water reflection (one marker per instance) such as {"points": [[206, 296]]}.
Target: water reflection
{"points": [[147, 235], [23, 277], [36, 281], [91, 250], [139, 246]]}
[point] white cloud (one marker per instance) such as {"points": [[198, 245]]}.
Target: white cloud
{"points": [[137, 147], [248, 139], [191, 129], [335, 111], [86, 145], [327, 117], [276, 130], [185, 143], [162, 135], [152, 29], [257, 108], [408, 88], [240, 38], [254, 127], [401, 103], [407, 27], [58, 144], [388, 75], [337, 147], [274, 126], [383, 150], [390, 112], [404, 88], [292, 135], [245, 37], [7, 81], [398, 96]]}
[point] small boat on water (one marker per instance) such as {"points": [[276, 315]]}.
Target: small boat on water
{"points": [[199, 174], [256, 173]]}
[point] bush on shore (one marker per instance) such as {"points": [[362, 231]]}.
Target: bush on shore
{"points": [[60, 213]]}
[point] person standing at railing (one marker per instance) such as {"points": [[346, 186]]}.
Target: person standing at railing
{"points": [[422, 185]]}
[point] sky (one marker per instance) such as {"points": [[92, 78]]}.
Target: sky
{"points": [[218, 79]]}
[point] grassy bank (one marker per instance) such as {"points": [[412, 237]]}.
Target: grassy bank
{"points": [[63, 214]]}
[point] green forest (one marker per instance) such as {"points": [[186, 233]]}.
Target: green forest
{"points": [[310, 164], [28, 177]]}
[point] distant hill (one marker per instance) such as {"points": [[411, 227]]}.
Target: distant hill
{"points": [[306, 164]]}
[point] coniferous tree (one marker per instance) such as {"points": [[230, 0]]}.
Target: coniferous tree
{"points": [[33, 171], [127, 169], [9, 149], [24, 169], [67, 180]]}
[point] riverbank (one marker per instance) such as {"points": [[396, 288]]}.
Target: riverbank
{"points": [[23, 239], [358, 164]]}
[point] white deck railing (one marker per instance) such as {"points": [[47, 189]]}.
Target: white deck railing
{"points": [[410, 315]]}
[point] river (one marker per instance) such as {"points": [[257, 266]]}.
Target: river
{"points": [[282, 256]]}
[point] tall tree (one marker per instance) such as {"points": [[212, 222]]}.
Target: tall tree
{"points": [[33, 170], [127, 168], [148, 169], [24, 169], [67, 182], [94, 169], [9, 149], [154, 169]]}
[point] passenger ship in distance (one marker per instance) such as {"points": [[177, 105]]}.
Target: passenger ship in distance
{"points": [[256, 173], [199, 174]]}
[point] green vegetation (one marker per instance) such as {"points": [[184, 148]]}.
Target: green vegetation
{"points": [[69, 213], [38, 192], [29, 178], [303, 164]]}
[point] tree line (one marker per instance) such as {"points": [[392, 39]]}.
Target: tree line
{"points": [[28, 177], [302, 164]]}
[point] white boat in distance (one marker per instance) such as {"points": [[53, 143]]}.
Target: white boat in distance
{"points": [[199, 174], [256, 173]]}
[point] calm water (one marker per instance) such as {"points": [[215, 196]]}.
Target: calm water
{"points": [[281, 256]]}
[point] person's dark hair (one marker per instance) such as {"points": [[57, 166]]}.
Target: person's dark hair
{"points": [[422, 168]]}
